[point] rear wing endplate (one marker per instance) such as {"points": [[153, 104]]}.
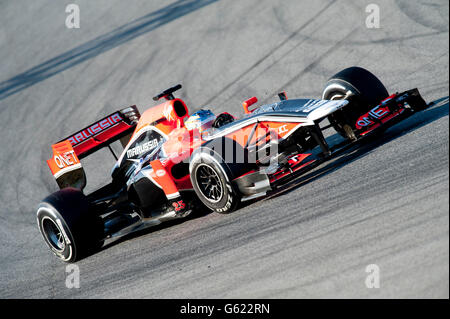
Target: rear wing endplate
{"points": [[66, 167]]}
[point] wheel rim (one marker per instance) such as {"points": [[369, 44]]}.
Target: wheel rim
{"points": [[209, 183], [53, 234]]}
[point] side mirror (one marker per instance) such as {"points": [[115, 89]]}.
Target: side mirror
{"points": [[248, 103]]}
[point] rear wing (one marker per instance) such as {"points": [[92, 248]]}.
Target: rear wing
{"points": [[65, 163], [104, 132]]}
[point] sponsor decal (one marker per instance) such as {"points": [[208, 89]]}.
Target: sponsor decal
{"points": [[61, 228], [160, 173], [295, 158], [167, 112], [142, 148], [227, 205], [65, 159], [312, 105], [94, 129], [367, 119], [282, 129]]}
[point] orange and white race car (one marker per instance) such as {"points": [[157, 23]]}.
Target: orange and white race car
{"points": [[173, 163]]}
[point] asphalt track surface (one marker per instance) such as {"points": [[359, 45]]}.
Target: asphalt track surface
{"points": [[385, 204]]}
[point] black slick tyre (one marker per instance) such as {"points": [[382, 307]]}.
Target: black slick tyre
{"points": [[68, 225], [211, 179], [364, 91]]}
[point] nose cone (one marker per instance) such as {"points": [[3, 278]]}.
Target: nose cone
{"points": [[322, 108]]}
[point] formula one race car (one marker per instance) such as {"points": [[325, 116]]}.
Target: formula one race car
{"points": [[173, 163]]}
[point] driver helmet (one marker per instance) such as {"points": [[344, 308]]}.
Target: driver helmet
{"points": [[201, 120]]}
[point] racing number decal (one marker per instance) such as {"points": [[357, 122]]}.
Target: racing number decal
{"points": [[180, 205]]}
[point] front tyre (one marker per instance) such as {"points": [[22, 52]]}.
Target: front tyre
{"points": [[364, 91], [68, 226], [212, 184]]}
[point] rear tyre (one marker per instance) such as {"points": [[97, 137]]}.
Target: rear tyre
{"points": [[364, 91], [68, 225]]}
